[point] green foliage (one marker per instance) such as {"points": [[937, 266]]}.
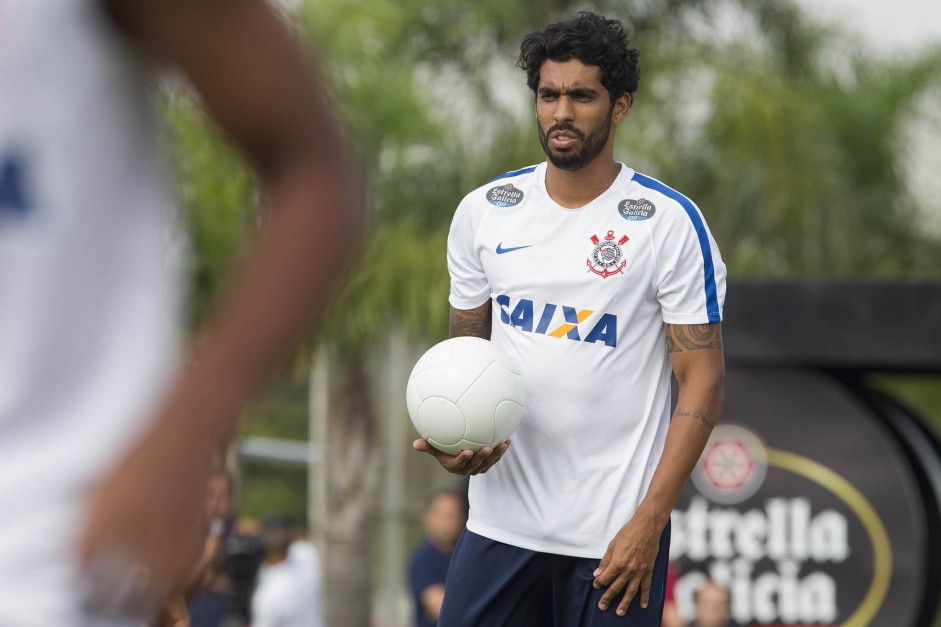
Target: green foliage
{"points": [[921, 393], [282, 412], [795, 155], [214, 191], [805, 176], [273, 490], [402, 278], [796, 160]]}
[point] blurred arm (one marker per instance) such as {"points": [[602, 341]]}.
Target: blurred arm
{"points": [[431, 599], [254, 80], [257, 86]]}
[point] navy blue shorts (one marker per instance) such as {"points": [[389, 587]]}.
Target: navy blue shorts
{"points": [[491, 584]]}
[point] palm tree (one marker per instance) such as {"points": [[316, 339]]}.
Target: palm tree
{"points": [[798, 160]]}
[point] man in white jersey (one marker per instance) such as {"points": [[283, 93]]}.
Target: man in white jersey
{"points": [[600, 281], [106, 434]]}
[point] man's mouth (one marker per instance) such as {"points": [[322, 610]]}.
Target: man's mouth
{"points": [[562, 139]]}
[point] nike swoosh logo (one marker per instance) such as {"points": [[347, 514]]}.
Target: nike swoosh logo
{"points": [[501, 250]]}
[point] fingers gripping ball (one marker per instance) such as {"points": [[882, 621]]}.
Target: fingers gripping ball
{"points": [[464, 393]]}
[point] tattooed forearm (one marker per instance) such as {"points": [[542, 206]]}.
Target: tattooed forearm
{"points": [[691, 337], [471, 322], [699, 415]]}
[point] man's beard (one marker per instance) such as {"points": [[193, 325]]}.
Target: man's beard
{"points": [[591, 144]]}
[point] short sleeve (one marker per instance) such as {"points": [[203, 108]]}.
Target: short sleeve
{"points": [[469, 285], [690, 278]]}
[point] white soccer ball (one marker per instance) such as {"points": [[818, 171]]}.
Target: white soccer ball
{"points": [[464, 393]]}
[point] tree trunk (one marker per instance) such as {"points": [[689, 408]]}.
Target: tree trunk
{"points": [[350, 467]]}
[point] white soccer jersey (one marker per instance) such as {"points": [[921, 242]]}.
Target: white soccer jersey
{"points": [[89, 307], [579, 298]]}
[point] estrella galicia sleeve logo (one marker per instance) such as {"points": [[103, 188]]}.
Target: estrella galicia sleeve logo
{"points": [[504, 195], [633, 210]]}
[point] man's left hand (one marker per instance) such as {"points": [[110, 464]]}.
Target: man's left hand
{"points": [[628, 564]]}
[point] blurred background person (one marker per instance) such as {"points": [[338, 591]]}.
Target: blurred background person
{"points": [[106, 432], [671, 615], [243, 559], [443, 521], [288, 591], [209, 594], [712, 606]]}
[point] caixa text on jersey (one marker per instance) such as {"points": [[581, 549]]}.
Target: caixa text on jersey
{"points": [[559, 321]]}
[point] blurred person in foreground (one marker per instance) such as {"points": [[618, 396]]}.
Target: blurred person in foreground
{"points": [[106, 429], [443, 522], [600, 282], [288, 592], [712, 606]]}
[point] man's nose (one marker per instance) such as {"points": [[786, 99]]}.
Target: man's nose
{"points": [[564, 111]]}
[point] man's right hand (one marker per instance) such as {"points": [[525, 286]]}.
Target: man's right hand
{"points": [[466, 462]]}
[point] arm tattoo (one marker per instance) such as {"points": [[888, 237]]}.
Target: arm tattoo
{"points": [[699, 415], [472, 322], [691, 337]]}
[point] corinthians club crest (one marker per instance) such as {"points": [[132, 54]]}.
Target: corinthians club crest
{"points": [[606, 258]]}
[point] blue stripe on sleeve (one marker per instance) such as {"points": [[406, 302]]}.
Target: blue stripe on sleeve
{"points": [[709, 274], [514, 173]]}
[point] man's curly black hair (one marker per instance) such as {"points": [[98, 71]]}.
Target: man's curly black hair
{"points": [[593, 40]]}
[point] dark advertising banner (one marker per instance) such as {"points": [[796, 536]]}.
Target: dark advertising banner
{"points": [[805, 506]]}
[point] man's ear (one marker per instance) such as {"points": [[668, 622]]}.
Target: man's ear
{"points": [[621, 106]]}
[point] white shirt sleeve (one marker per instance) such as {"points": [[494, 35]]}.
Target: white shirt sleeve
{"points": [[690, 278], [469, 285]]}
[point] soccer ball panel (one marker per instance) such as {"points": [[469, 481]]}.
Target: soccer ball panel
{"points": [[505, 420], [454, 449], [441, 419], [450, 378]]}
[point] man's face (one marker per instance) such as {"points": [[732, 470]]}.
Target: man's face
{"points": [[574, 113], [445, 518], [712, 606], [219, 497]]}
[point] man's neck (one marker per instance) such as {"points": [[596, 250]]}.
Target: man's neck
{"points": [[574, 189], [443, 546]]}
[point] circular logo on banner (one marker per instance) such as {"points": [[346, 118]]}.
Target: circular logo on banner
{"points": [[732, 466], [640, 209], [504, 196]]}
